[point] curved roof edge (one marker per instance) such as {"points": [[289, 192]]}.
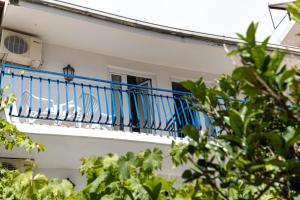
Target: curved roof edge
{"points": [[215, 39]]}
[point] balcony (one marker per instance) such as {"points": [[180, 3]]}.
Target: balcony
{"points": [[45, 97]]}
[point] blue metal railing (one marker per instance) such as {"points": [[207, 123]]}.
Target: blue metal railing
{"points": [[46, 95]]}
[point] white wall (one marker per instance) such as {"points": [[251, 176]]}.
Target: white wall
{"points": [[96, 65]]}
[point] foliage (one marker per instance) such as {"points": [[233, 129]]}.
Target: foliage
{"points": [[127, 177], [257, 152], [17, 184], [25, 185], [9, 134], [294, 10]]}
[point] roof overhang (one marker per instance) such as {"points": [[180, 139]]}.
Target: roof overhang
{"points": [[94, 31], [89, 31]]}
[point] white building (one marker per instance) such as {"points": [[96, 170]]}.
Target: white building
{"points": [[125, 93]]}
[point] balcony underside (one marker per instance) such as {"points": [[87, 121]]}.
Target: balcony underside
{"points": [[65, 146]]}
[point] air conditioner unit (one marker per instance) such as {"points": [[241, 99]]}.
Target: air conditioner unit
{"points": [[20, 48], [16, 163]]}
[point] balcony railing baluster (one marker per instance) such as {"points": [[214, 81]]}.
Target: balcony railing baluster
{"points": [[40, 98], [91, 103], [12, 90], [121, 107], [129, 108], [49, 98], [99, 103], [30, 97], [58, 99], [75, 102], [82, 103], [151, 112], [106, 105], [137, 111], [21, 94], [67, 100], [113, 105], [158, 112]]}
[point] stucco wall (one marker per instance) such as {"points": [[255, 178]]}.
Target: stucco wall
{"points": [[97, 66]]}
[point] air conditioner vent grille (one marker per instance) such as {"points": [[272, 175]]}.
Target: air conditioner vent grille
{"points": [[16, 44]]}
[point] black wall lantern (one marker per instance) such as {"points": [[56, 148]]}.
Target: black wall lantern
{"points": [[69, 73]]}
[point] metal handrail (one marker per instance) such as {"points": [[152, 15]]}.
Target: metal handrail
{"points": [[91, 79]]}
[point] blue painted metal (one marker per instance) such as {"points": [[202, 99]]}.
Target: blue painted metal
{"points": [[83, 103], [136, 109], [151, 111], [129, 108], [12, 91], [191, 113], [99, 104], [106, 105], [113, 105], [49, 98], [156, 109], [144, 109], [91, 103], [172, 118], [91, 79], [122, 114], [177, 113], [21, 94], [164, 109], [183, 110], [40, 98], [30, 96], [58, 99], [67, 100], [158, 112], [75, 102]]}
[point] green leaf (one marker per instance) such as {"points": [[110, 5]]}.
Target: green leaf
{"points": [[191, 132], [189, 85], [152, 160], [258, 55], [276, 141], [251, 34], [125, 165], [294, 9], [187, 174], [233, 52], [232, 139], [291, 142], [276, 60], [153, 192], [236, 122], [244, 73], [179, 153]]}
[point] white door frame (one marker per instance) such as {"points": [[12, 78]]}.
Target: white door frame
{"points": [[124, 72]]}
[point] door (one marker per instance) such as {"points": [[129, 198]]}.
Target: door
{"points": [[135, 110], [140, 102]]}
